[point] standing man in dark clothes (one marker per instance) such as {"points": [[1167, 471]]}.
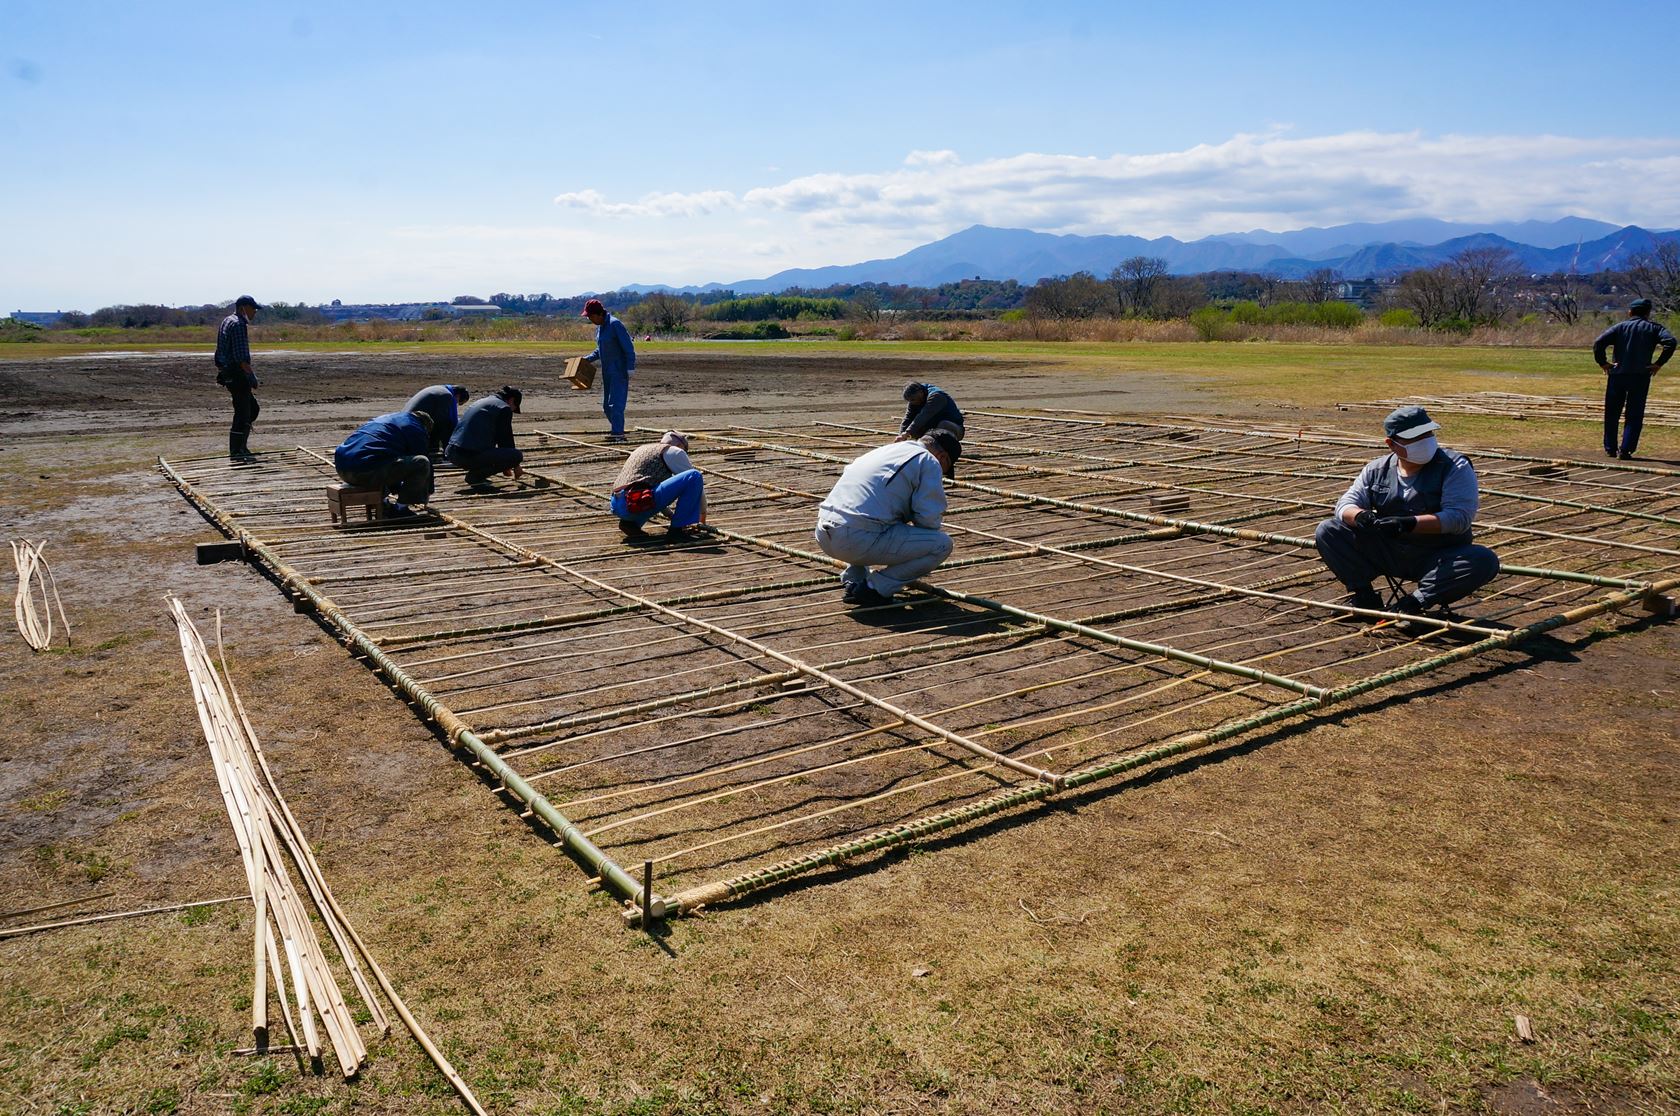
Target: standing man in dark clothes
{"points": [[483, 440], [1627, 379], [233, 371], [389, 453], [926, 406], [442, 402], [616, 356]]}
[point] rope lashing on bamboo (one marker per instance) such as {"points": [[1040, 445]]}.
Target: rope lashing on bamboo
{"points": [[688, 900], [1190, 526], [35, 626], [1100, 462], [804, 668], [612, 875], [1326, 439]]}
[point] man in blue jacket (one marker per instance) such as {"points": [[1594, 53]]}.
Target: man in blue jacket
{"points": [[1627, 379], [616, 357], [443, 403], [389, 453], [483, 440], [926, 408]]}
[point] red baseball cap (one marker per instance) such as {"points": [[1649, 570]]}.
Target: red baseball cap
{"points": [[593, 306]]}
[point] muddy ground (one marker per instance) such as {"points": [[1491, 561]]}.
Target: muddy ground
{"points": [[1345, 917]]}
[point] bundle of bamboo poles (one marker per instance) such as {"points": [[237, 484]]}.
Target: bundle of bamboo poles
{"points": [[36, 626], [273, 847]]}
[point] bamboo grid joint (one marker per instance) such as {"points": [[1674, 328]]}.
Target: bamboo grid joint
{"points": [[698, 720]]}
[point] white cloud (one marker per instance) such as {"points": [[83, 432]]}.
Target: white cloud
{"points": [[1273, 179]]}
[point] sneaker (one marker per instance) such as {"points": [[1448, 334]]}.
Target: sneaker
{"points": [[1365, 598], [1625, 455], [631, 530], [399, 511], [683, 534], [1608, 452], [617, 439], [865, 597], [1411, 606]]}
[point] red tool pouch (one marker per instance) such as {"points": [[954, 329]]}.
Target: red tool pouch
{"points": [[639, 500]]}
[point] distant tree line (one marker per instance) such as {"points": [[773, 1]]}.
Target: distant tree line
{"points": [[1476, 287]]}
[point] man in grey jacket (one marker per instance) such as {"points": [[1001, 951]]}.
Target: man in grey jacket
{"points": [[1407, 516], [886, 510]]}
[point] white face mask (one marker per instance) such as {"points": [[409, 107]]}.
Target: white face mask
{"points": [[1420, 451]]}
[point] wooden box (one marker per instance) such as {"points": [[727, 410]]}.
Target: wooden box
{"points": [[580, 372]]}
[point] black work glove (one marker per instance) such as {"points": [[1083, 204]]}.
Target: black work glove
{"points": [[1396, 525], [1365, 522]]}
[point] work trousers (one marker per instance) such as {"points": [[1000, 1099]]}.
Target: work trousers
{"points": [[686, 490], [410, 478], [1443, 573], [905, 552], [245, 405], [1624, 393], [480, 464], [615, 393]]}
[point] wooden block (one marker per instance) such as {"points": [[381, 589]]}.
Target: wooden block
{"points": [[1168, 503], [1659, 605], [226, 550], [1525, 1032]]}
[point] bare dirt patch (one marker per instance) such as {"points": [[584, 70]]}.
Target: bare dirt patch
{"points": [[1342, 918]]}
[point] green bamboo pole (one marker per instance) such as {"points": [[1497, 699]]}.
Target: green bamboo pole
{"points": [[1195, 527], [690, 899], [456, 730]]}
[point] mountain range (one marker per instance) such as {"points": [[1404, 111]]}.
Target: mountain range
{"points": [[1355, 251]]}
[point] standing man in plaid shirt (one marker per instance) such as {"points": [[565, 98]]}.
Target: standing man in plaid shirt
{"points": [[233, 371]]}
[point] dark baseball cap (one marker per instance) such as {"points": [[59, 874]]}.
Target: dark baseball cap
{"points": [[1409, 422], [914, 388], [247, 300], [1640, 306], [947, 444], [513, 396]]}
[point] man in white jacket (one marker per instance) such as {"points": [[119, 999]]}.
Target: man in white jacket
{"points": [[886, 511]]}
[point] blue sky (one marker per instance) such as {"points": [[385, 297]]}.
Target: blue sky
{"points": [[186, 153]]}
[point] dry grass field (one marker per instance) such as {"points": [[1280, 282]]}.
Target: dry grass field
{"points": [[1339, 914]]}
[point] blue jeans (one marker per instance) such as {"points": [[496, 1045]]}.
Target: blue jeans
{"points": [[1443, 573], [615, 392], [905, 551], [686, 489]]}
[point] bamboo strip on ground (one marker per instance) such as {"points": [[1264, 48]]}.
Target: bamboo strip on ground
{"points": [[36, 626]]}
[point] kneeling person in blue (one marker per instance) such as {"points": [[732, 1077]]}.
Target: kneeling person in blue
{"points": [[886, 510], [1408, 517], [483, 440], [655, 477], [389, 453]]}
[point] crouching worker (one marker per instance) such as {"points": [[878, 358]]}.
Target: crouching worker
{"points": [[389, 453], [443, 403], [483, 440], [926, 408], [1408, 517], [657, 476], [885, 511]]}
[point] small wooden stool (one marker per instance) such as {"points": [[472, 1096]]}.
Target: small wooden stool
{"points": [[341, 498]]}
